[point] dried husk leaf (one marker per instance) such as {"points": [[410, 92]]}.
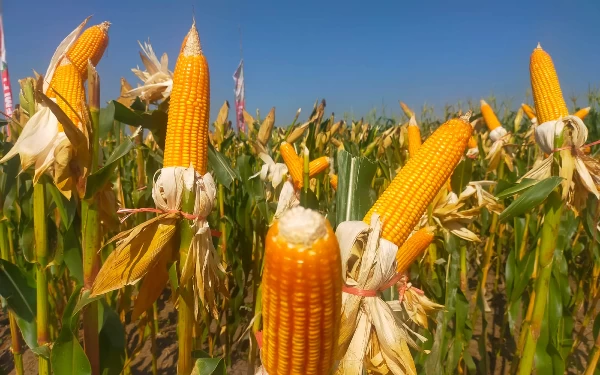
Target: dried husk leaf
{"points": [[266, 128], [136, 254], [152, 285]]}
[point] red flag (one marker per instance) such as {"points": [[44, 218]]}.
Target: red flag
{"points": [[8, 101], [240, 100]]}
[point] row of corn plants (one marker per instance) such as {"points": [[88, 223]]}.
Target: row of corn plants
{"points": [[414, 244]]}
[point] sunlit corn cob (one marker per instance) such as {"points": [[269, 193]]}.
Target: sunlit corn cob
{"points": [[318, 165], [293, 162], [582, 112], [187, 127], [548, 98], [413, 247], [489, 116], [90, 45], [414, 137], [530, 112], [67, 82], [301, 294], [333, 180], [414, 187]]}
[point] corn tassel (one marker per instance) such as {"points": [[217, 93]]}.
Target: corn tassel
{"points": [[583, 112], [189, 110], [489, 116], [301, 295], [414, 187], [414, 137], [530, 112], [413, 248], [549, 102], [90, 45]]}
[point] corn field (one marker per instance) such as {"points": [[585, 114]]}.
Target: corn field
{"points": [[138, 237]]}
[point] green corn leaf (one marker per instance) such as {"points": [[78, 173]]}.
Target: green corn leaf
{"points": [[355, 175], [531, 198]]}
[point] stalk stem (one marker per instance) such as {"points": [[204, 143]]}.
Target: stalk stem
{"points": [[553, 209], [42, 255], [185, 323]]}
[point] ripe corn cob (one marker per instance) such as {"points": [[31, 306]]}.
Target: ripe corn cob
{"points": [[333, 180], [68, 83], [582, 112], [489, 116], [90, 45], [414, 187], [548, 98], [187, 127], [301, 294], [413, 247], [530, 112], [414, 137], [293, 162], [318, 165]]}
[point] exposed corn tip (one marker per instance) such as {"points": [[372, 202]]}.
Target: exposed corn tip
{"points": [[583, 112], [414, 247], [333, 180], [90, 45], [489, 116], [301, 294], [68, 83], [293, 162], [414, 187], [472, 142], [530, 112], [548, 98], [414, 137], [189, 110], [318, 165]]}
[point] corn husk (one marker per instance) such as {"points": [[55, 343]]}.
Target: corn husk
{"points": [[271, 171], [149, 246], [221, 124], [288, 198], [574, 133], [498, 151], [157, 79], [372, 334], [266, 128]]}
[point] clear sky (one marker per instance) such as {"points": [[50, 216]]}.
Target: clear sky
{"points": [[356, 54]]}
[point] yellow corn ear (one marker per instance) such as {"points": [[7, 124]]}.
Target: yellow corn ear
{"points": [[90, 45], [489, 116], [68, 83], [301, 294], [548, 98], [530, 112], [414, 137], [413, 248], [317, 166], [414, 187], [293, 162], [189, 110], [583, 112], [333, 180]]}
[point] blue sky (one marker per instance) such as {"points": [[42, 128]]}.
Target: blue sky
{"points": [[356, 54]]}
